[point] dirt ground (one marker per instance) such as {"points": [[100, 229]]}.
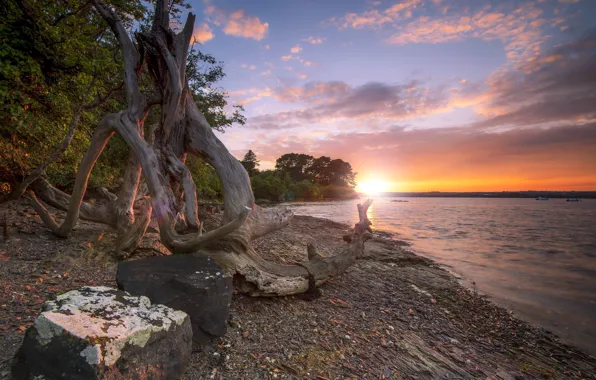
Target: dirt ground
{"points": [[392, 315]]}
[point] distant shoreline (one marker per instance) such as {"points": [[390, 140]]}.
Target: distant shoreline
{"points": [[440, 194], [495, 194]]}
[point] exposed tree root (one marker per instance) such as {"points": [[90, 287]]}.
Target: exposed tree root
{"points": [[159, 160]]}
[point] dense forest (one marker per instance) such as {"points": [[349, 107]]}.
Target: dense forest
{"points": [[301, 177]]}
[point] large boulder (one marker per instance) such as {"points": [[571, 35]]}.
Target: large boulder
{"points": [[193, 284], [104, 333]]}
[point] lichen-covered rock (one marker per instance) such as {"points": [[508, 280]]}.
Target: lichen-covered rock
{"points": [[193, 284], [104, 333]]}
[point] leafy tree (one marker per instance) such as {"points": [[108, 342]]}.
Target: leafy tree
{"points": [[203, 72], [340, 173], [59, 62], [54, 58], [296, 164], [318, 170], [205, 179], [250, 163], [323, 170], [270, 184], [305, 189]]}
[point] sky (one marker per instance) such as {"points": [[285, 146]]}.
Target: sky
{"points": [[417, 95]]}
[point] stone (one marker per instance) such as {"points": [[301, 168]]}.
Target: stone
{"points": [[193, 284], [104, 333]]}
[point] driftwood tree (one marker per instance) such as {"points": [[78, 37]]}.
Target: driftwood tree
{"points": [[158, 157]]}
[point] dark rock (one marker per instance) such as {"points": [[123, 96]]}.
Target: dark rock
{"points": [[104, 333], [195, 285]]}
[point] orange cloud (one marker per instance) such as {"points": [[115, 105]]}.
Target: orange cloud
{"points": [[248, 27], [237, 23], [296, 49], [519, 29], [203, 33], [256, 94], [375, 18], [287, 57]]}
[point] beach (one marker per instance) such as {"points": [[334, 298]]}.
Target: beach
{"points": [[392, 315]]}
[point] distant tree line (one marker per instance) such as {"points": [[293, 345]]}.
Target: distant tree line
{"points": [[301, 176]]}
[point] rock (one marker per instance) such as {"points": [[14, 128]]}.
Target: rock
{"points": [[104, 333], [195, 285]]}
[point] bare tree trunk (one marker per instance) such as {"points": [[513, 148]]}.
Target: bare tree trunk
{"points": [[172, 195]]}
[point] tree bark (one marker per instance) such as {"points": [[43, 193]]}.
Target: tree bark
{"points": [[159, 159]]}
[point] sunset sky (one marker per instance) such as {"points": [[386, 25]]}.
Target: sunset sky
{"points": [[468, 95]]}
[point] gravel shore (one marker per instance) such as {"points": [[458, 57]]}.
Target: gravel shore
{"points": [[392, 315]]}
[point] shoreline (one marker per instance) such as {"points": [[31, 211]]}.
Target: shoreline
{"points": [[394, 314], [509, 273]]}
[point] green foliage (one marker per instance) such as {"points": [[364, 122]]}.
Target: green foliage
{"points": [[296, 164], [303, 177], [203, 72], [306, 190], [271, 185], [323, 170], [53, 59], [58, 55], [205, 178]]}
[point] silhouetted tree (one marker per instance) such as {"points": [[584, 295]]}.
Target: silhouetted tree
{"points": [[250, 163], [296, 164]]}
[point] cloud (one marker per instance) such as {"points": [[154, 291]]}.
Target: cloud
{"points": [[314, 92], [328, 101], [254, 94], [519, 28], [237, 23], [453, 159], [287, 57], [296, 49], [314, 40], [559, 86], [203, 33], [374, 18]]}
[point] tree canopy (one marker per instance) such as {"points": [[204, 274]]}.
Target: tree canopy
{"points": [[302, 176], [60, 71]]}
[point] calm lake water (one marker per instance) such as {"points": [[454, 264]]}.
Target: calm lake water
{"points": [[536, 258]]}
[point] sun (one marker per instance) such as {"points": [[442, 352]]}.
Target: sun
{"points": [[372, 187]]}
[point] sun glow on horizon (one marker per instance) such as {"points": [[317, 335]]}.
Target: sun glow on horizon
{"points": [[372, 187]]}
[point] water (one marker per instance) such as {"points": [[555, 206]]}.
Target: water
{"points": [[536, 258]]}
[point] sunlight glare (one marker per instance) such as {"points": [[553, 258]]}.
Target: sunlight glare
{"points": [[372, 187]]}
